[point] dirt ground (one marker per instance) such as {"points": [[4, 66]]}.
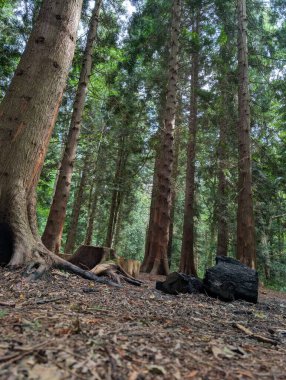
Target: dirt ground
{"points": [[64, 327]]}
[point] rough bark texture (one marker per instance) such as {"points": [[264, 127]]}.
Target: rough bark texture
{"points": [[28, 113], [187, 263], [91, 218], [71, 237], [175, 172], [222, 203], [156, 260], [55, 223], [88, 256], [149, 230], [246, 250], [116, 194], [230, 280]]}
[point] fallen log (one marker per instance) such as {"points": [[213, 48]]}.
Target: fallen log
{"points": [[176, 283], [230, 280]]}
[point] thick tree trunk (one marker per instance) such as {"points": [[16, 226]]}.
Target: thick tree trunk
{"points": [[71, 238], [27, 117], [175, 172], [187, 263], [55, 223], [28, 113], [246, 250], [222, 203], [156, 258]]}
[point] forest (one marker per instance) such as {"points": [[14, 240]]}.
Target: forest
{"points": [[142, 152]]}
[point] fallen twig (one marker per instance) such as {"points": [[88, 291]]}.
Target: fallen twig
{"points": [[47, 300], [8, 359], [10, 304], [258, 337]]}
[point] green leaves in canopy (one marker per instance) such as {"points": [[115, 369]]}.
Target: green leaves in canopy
{"points": [[192, 39], [222, 39]]}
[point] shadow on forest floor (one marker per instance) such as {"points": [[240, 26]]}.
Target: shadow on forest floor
{"points": [[65, 327]]}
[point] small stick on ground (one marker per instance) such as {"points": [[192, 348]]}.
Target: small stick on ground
{"points": [[8, 359], [258, 337]]}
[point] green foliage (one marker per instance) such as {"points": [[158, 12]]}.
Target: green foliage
{"points": [[123, 112]]}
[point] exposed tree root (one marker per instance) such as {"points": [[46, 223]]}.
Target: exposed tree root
{"points": [[71, 268], [115, 272], [42, 260]]}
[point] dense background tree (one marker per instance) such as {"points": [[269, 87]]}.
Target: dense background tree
{"points": [[122, 120]]}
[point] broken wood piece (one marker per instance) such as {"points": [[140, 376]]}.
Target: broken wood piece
{"points": [[176, 283], [229, 280], [8, 304], [258, 337], [88, 256], [115, 272]]}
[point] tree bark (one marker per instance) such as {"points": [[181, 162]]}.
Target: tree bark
{"points": [[187, 263], [91, 218], [28, 113], [149, 230], [116, 194], [71, 238], [53, 232], [156, 260], [246, 250], [175, 172], [222, 204]]}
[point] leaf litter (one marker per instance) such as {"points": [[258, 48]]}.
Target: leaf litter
{"points": [[64, 327]]}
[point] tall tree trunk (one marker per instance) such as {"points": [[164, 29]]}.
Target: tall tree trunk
{"points": [[91, 217], [149, 230], [175, 172], [27, 117], [118, 225], [53, 232], [116, 195], [222, 203], [71, 237], [156, 261], [187, 263], [246, 250]]}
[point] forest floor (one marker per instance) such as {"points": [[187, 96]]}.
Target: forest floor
{"points": [[64, 327]]}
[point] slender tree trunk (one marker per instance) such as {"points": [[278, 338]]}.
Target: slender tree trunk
{"points": [[151, 217], [27, 117], [265, 254], [71, 238], [55, 223], [91, 218], [222, 204], [116, 195], [118, 225], [187, 263], [175, 172], [156, 261], [246, 250]]}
